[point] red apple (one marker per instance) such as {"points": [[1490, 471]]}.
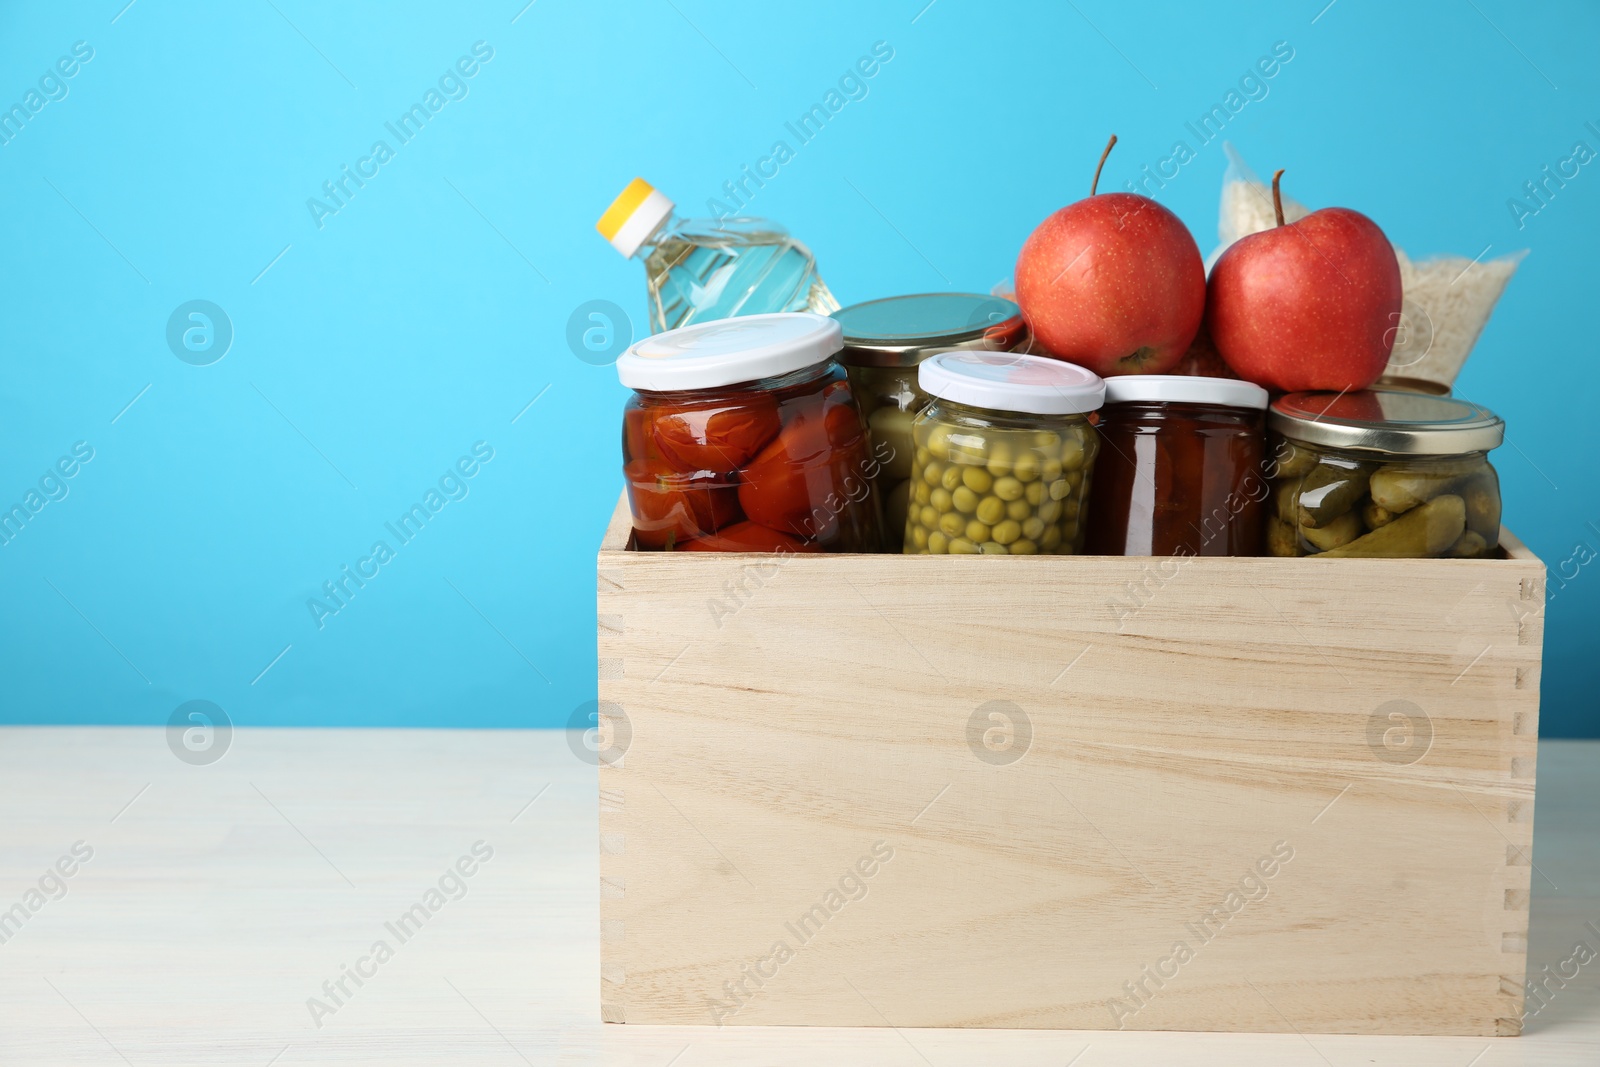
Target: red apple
{"points": [[1311, 304], [1113, 283]]}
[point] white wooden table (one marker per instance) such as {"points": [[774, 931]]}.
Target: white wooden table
{"points": [[220, 898]]}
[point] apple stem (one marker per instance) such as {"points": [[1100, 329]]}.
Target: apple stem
{"points": [[1277, 195], [1096, 183]]}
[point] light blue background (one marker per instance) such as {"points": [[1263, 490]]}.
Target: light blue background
{"points": [[429, 311]]}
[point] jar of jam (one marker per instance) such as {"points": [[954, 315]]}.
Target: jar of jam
{"points": [[884, 341], [1003, 455], [1180, 470], [743, 436], [1383, 473]]}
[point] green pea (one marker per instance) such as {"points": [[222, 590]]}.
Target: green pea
{"points": [[1059, 489], [977, 532], [950, 477], [1007, 532], [1019, 510], [952, 524], [928, 516], [1034, 493], [1000, 459], [965, 500], [968, 449], [1027, 466], [922, 456], [1008, 489], [960, 546], [919, 537], [1072, 453], [933, 473], [922, 493], [1023, 547], [1051, 538], [990, 510], [977, 479], [938, 543], [939, 441], [1050, 469], [1032, 528], [992, 548], [939, 498], [1050, 510]]}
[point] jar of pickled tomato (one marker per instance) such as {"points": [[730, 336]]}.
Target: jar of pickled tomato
{"points": [[743, 435], [884, 342], [1180, 468], [1003, 455]]}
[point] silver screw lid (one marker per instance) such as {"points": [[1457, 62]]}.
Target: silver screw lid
{"points": [[1391, 421]]}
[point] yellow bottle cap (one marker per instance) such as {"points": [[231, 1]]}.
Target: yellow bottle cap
{"points": [[633, 216]]}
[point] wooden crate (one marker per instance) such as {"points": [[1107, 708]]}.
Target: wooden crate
{"points": [[1080, 792]]}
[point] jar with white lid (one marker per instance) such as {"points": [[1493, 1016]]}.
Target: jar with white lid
{"points": [[884, 342], [1180, 468], [1383, 473], [1003, 455], [743, 436]]}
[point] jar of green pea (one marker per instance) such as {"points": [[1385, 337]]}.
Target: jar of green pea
{"points": [[1003, 455]]}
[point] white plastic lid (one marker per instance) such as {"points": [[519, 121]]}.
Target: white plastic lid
{"points": [[729, 351], [1008, 381], [1185, 389]]}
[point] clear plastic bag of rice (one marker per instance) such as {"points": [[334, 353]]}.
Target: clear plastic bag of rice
{"points": [[1247, 204], [1448, 299]]}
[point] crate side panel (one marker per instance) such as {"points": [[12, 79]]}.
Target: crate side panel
{"points": [[1071, 794]]}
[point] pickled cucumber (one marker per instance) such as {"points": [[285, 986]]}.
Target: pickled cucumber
{"points": [[1348, 505], [892, 427], [1293, 460], [1425, 530], [1469, 545], [1284, 504], [997, 490], [1328, 491], [1376, 515], [1283, 538], [1482, 495], [1340, 531]]}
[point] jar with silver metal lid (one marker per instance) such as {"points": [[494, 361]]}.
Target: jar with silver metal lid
{"points": [[1383, 473], [884, 342]]}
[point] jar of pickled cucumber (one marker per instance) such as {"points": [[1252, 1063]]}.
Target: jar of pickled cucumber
{"points": [[1002, 456], [1382, 473], [884, 342], [743, 436]]}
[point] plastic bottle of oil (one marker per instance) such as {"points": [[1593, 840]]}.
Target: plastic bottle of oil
{"points": [[699, 269]]}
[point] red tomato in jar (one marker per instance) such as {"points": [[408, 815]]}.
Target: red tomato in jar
{"points": [[671, 508], [748, 537], [721, 438], [818, 455], [636, 423]]}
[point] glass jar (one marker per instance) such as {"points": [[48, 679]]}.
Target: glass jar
{"points": [[884, 341], [743, 436], [1002, 455], [1382, 473], [1179, 472]]}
